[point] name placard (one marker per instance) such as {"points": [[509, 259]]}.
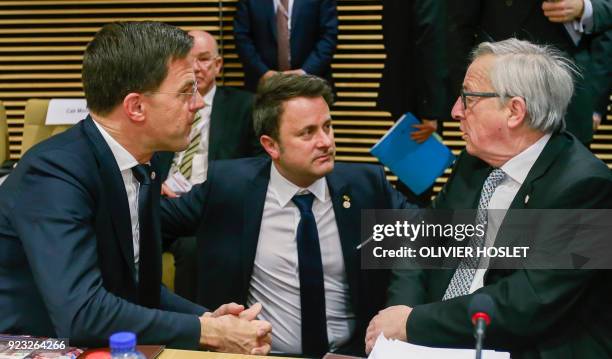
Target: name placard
{"points": [[66, 111]]}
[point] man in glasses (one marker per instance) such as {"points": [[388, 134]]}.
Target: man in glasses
{"points": [[517, 156], [80, 244], [222, 129]]}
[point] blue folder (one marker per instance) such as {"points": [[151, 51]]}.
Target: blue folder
{"points": [[416, 165]]}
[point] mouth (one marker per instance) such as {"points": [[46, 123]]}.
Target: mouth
{"points": [[323, 158]]}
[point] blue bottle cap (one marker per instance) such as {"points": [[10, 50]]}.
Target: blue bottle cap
{"points": [[122, 341]]}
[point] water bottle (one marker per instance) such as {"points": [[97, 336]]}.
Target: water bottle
{"points": [[123, 346]]}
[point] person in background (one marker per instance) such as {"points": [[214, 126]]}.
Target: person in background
{"points": [[415, 75], [290, 36]]}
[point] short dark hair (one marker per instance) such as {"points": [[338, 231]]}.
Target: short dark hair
{"points": [[126, 57], [272, 93]]}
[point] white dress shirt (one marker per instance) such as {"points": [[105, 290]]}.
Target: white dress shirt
{"points": [[275, 281], [516, 170], [199, 166], [126, 161]]}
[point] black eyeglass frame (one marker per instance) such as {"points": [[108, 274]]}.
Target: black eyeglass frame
{"points": [[465, 94]]}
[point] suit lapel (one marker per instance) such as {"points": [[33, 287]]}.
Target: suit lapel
{"points": [[295, 19], [268, 7], [551, 152], [217, 123], [349, 231], [254, 200], [115, 194]]}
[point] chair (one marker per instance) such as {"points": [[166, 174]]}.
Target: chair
{"points": [[34, 128]]}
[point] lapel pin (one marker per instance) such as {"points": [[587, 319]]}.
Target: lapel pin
{"points": [[526, 199], [152, 175], [347, 201]]}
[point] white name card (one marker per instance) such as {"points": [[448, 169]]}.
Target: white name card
{"points": [[66, 111]]}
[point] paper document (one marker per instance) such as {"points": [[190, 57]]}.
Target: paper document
{"points": [[416, 165], [395, 349]]}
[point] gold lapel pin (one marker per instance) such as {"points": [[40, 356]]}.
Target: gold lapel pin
{"points": [[347, 201]]}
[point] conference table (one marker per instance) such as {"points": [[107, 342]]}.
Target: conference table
{"points": [[189, 354]]}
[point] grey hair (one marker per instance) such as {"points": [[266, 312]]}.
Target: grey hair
{"points": [[539, 74]]}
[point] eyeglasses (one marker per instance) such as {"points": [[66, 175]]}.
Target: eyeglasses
{"points": [[193, 94], [465, 94]]}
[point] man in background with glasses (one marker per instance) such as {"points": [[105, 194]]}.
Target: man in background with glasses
{"points": [[222, 129], [80, 243], [517, 156]]}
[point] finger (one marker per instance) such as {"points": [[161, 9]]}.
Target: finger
{"points": [[265, 339], [262, 350], [420, 126], [263, 328], [166, 191], [252, 312], [233, 308]]}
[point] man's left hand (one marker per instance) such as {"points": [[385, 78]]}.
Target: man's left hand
{"points": [[391, 322], [563, 10]]}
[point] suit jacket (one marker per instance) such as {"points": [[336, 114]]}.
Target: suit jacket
{"points": [[540, 313], [415, 75], [475, 21], [231, 129], [314, 33], [226, 212], [602, 15], [66, 255]]}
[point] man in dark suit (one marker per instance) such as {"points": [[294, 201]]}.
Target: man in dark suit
{"points": [[257, 240], [474, 21], [415, 75], [293, 36], [517, 157], [80, 243], [223, 129]]}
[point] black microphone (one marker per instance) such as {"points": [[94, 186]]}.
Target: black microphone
{"points": [[480, 309]]}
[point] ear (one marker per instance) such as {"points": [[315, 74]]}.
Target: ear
{"points": [[218, 65], [271, 146], [134, 107], [518, 112]]}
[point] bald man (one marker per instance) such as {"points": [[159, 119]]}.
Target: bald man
{"points": [[224, 131]]}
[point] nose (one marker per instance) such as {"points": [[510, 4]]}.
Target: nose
{"points": [[325, 139], [458, 112]]}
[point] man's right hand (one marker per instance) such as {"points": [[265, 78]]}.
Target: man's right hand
{"points": [[166, 191], [232, 334]]}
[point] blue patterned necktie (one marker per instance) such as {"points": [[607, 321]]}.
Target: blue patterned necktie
{"points": [[312, 291], [464, 275]]}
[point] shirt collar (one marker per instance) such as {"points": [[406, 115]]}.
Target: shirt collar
{"points": [[285, 189], [124, 159], [518, 167], [210, 95]]}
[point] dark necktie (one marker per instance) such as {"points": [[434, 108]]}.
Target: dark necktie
{"points": [[282, 35], [312, 291], [148, 288]]}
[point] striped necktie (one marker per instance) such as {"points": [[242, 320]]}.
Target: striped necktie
{"points": [[461, 282], [186, 162]]}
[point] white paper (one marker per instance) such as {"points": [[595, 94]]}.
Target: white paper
{"points": [[66, 111], [396, 349]]}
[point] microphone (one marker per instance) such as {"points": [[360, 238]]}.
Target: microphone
{"points": [[480, 309]]}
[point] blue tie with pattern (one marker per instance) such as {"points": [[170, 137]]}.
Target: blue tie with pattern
{"points": [[312, 291]]}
